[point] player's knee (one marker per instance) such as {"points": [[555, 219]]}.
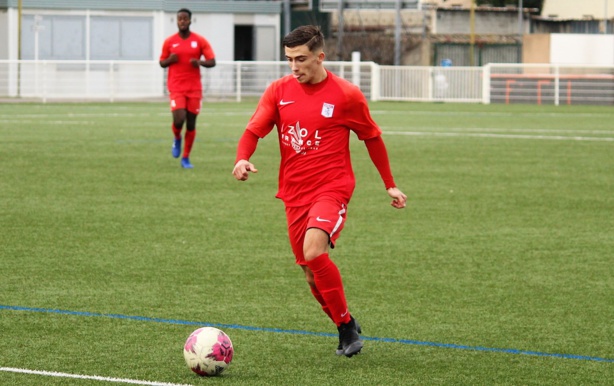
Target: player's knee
{"points": [[178, 124], [316, 243], [310, 281], [309, 278], [313, 252]]}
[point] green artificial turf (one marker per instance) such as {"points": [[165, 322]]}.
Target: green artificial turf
{"points": [[499, 272]]}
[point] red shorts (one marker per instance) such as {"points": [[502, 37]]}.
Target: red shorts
{"points": [[190, 101], [327, 214]]}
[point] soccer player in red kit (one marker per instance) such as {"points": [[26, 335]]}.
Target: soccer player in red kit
{"points": [[314, 112], [182, 53]]}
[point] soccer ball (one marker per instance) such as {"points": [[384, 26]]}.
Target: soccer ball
{"points": [[208, 351]]}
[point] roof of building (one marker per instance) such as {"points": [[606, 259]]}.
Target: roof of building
{"points": [[478, 39], [209, 6]]}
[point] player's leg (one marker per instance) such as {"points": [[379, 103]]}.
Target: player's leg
{"points": [[297, 223], [193, 104], [326, 284], [326, 219], [324, 274], [178, 109], [314, 290], [316, 294], [190, 134], [329, 283]]}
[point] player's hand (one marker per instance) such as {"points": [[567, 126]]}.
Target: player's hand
{"points": [[242, 169], [172, 58], [399, 199], [195, 62]]}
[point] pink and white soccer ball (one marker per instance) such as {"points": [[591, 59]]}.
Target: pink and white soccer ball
{"points": [[208, 351]]}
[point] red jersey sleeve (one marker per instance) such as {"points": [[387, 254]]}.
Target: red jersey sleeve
{"points": [[206, 49], [379, 156], [166, 50], [247, 146], [266, 114], [358, 116]]}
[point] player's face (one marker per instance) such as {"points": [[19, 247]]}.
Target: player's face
{"points": [[183, 21], [306, 65]]}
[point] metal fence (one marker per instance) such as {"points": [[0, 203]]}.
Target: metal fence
{"points": [[549, 84], [430, 84], [460, 54], [130, 80], [137, 80]]}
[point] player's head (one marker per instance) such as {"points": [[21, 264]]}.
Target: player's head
{"points": [[184, 19], [304, 51], [308, 35]]}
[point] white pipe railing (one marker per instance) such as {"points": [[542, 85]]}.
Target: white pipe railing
{"points": [[235, 80]]}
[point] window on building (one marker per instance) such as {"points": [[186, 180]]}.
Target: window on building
{"points": [[63, 37], [117, 38], [53, 37]]}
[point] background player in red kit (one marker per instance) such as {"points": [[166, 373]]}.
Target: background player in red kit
{"points": [[182, 54], [314, 112]]}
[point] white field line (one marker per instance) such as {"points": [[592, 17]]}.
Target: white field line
{"points": [[92, 377], [81, 115], [507, 130], [114, 115], [489, 113], [509, 136], [21, 121]]}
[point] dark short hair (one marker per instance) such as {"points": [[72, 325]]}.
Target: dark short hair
{"points": [[186, 11], [309, 35]]}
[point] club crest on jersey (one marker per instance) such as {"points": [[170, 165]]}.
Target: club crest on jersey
{"points": [[327, 110], [194, 44]]}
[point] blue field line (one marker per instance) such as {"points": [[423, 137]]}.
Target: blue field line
{"points": [[303, 332]]}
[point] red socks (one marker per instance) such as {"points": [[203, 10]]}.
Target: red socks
{"points": [[330, 286], [189, 141], [176, 132], [320, 299]]}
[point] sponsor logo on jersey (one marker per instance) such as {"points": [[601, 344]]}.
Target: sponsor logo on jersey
{"points": [[194, 44], [300, 138]]}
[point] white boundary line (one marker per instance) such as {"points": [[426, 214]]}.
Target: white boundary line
{"points": [[498, 130], [510, 136], [94, 377]]}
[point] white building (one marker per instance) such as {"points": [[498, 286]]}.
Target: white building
{"points": [[136, 29]]}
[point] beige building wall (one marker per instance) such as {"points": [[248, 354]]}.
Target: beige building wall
{"points": [[576, 9], [536, 48], [365, 18], [448, 3]]}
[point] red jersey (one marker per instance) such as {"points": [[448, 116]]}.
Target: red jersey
{"points": [[182, 76], [313, 125]]}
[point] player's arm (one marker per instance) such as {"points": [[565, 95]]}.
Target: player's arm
{"points": [[167, 58], [207, 53], [260, 125], [207, 63], [172, 58], [247, 147], [379, 157]]}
